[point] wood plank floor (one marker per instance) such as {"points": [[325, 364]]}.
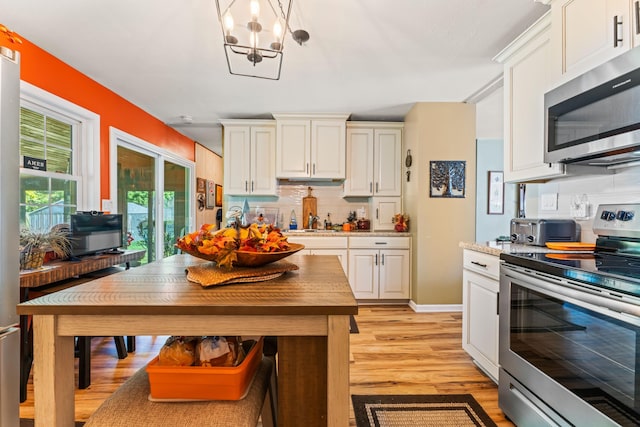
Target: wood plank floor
{"points": [[397, 351]]}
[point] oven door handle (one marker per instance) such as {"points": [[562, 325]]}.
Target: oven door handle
{"points": [[594, 300]]}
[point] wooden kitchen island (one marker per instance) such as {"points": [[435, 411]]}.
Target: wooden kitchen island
{"points": [[307, 309]]}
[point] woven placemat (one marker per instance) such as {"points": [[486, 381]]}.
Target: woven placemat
{"points": [[210, 275]]}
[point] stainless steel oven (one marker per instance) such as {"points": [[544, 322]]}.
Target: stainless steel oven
{"points": [[570, 330]]}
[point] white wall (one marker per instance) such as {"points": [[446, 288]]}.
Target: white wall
{"points": [[489, 158], [490, 117]]}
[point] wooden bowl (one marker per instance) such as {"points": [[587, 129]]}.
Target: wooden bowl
{"points": [[253, 259]]}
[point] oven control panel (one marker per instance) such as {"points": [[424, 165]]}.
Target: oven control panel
{"points": [[622, 220]]}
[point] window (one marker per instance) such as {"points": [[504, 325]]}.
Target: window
{"points": [[48, 186], [60, 158]]}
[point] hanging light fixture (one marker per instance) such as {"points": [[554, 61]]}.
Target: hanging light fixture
{"points": [[253, 32]]}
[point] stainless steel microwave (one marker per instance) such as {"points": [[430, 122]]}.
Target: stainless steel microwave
{"points": [[594, 119]]}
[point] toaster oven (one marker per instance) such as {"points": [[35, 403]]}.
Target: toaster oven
{"points": [[538, 232]]}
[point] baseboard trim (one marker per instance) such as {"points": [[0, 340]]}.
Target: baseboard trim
{"points": [[434, 308]]}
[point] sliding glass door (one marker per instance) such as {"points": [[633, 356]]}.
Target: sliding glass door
{"points": [[153, 194]]}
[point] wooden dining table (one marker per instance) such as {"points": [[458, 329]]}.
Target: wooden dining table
{"points": [[307, 309]]}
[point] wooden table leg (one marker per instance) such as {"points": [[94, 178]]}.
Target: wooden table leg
{"points": [[313, 378], [54, 404], [338, 395]]}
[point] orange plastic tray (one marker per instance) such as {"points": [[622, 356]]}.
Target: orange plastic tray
{"points": [[204, 383]]}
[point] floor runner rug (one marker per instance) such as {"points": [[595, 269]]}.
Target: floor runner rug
{"points": [[436, 410]]}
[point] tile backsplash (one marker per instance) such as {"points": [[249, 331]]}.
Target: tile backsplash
{"points": [[290, 195], [621, 187]]}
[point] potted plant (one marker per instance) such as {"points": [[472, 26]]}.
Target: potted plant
{"points": [[35, 244]]}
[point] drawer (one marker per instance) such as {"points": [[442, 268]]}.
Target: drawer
{"points": [[315, 242], [380, 242], [482, 263]]}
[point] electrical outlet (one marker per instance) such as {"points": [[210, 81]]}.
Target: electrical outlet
{"points": [[580, 210], [107, 206], [549, 202]]}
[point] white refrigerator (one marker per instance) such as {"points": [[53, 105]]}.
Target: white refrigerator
{"points": [[9, 235]]}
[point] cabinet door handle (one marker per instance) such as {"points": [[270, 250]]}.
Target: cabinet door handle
{"points": [[479, 264], [376, 260], [314, 169], [636, 9], [498, 304], [252, 186], [617, 31], [377, 213], [381, 243], [371, 187], [377, 188], [246, 186], [382, 258], [307, 172]]}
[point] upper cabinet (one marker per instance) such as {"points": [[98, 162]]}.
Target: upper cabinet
{"points": [[587, 33], [310, 147], [526, 79], [374, 166], [249, 157]]}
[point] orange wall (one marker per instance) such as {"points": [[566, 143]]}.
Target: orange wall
{"points": [[47, 72]]}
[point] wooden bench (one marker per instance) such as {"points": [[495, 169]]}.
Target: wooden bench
{"points": [[130, 406]]}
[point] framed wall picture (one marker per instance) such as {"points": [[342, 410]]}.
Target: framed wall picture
{"points": [[201, 185], [495, 198], [211, 195], [447, 178], [218, 195]]}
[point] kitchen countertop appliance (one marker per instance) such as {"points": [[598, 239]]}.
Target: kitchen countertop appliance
{"points": [[569, 329], [538, 232]]}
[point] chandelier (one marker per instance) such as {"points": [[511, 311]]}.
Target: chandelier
{"points": [[253, 32]]}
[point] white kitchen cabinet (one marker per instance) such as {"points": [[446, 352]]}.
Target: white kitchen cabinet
{"points": [[526, 79], [318, 245], [480, 288], [383, 211], [249, 157], [310, 147], [381, 273], [587, 33], [374, 164]]}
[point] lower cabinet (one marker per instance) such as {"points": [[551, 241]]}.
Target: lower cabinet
{"points": [[324, 246], [382, 272], [480, 310]]}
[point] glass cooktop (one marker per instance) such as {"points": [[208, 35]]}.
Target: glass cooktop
{"points": [[605, 270]]}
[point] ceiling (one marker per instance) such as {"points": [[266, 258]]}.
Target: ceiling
{"points": [[371, 58]]}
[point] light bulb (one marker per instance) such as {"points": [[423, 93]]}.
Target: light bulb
{"points": [[255, 9], [277, 30], [228, 22], [253, 40]]}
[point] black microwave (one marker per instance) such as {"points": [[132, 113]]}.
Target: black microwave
{"points": [[594, 119]]}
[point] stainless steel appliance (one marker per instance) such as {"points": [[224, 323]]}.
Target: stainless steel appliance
{"points": [[593, 119], [537, 232], [9, 224], [569, 342]]}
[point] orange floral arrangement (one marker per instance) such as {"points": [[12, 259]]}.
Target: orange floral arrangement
{"points": [[222, 245]]}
